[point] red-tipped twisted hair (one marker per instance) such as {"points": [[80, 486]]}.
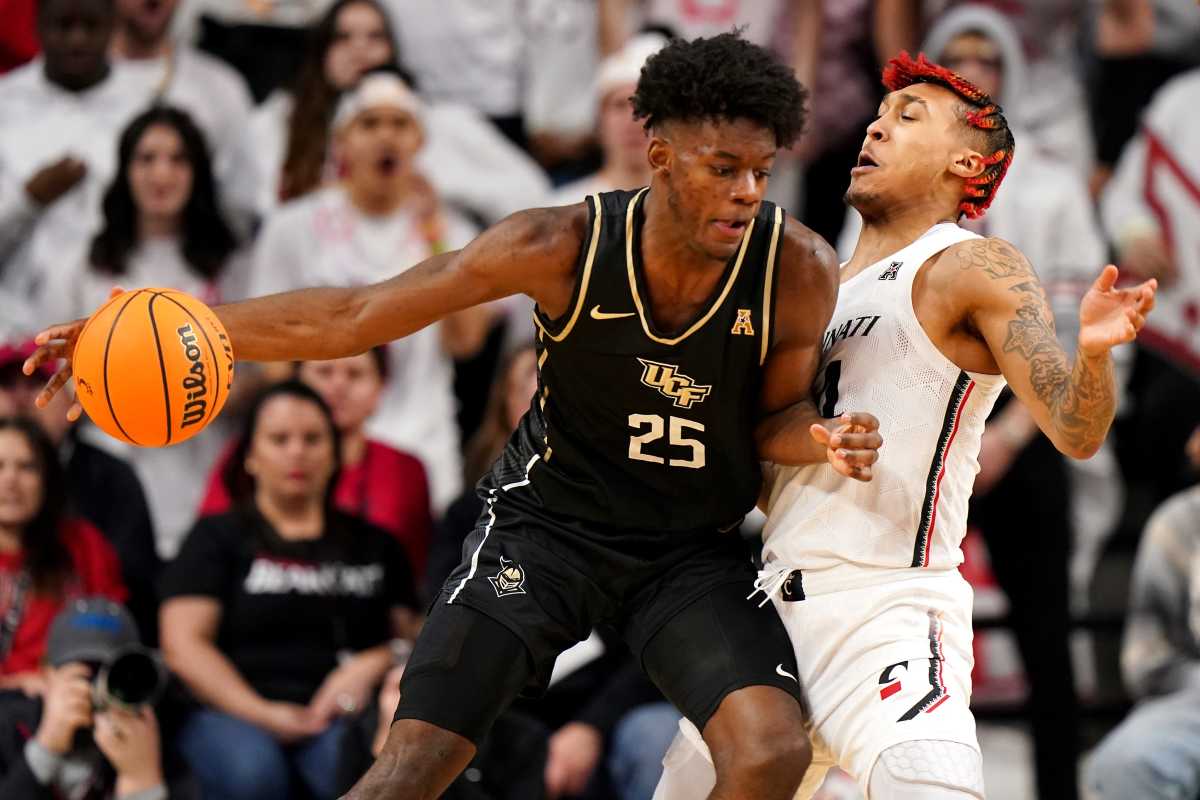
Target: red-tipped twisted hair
{"points": [[985, 115]]}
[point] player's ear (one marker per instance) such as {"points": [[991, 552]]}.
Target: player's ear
{"points": [[966, 163], [660, 154]]}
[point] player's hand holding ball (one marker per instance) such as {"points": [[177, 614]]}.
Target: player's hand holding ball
{"points": [[851, 441], [152, 367]]}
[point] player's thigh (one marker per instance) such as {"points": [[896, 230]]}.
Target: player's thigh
{"points": [[714, 646], [465, 670]]}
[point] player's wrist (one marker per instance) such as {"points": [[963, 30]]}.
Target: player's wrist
{"points": [[1091, 351]]}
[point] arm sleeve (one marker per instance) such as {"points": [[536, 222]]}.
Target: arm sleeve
{"points": [[205, 564], [1153, 658]]}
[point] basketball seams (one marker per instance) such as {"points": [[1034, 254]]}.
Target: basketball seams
{"points": [[162, 365], [212, 354], [112, 328]]}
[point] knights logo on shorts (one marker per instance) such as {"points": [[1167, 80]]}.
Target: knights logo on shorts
{"points": [[509, 580]]}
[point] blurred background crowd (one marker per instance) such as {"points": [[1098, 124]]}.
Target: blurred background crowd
{"points": [[281, 561]]}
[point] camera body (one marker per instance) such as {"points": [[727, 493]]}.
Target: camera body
{"points": [[133, 678]]}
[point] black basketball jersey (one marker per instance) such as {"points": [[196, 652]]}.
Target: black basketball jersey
{"points": [[634, 428]]}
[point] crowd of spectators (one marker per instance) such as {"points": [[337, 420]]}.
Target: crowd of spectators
{"points": [[280, 562]]}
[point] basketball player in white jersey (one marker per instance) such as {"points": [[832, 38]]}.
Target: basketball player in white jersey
{"points": [[931, 322]]}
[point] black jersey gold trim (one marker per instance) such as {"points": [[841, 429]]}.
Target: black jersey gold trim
{"points": [[633, 283], [585, 276], [769, 283]]}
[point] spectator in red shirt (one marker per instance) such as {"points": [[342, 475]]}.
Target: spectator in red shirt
{"points": [[45, 560], [377, 483]]}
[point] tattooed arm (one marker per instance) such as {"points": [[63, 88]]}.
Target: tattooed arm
{"points": [[1072, 400]]}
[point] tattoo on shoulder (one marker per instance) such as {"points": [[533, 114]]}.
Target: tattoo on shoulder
{"points": [[995, 257]]}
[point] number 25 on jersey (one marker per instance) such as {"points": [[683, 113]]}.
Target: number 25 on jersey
{"points": [[650, 429]]}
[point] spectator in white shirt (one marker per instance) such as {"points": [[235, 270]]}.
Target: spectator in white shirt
{"points": [[59, 117], [471, 164], [381, 217], [174, 72], [622, 138], [162, 227]]}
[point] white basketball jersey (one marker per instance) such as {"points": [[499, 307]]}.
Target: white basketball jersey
{"points": [[877, 358]]}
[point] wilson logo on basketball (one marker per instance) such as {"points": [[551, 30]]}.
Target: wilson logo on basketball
{"points": [[195, 382], [672, 383]]}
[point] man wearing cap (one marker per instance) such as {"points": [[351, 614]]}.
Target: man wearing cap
{"points": [[58, 745], [379, 217]]}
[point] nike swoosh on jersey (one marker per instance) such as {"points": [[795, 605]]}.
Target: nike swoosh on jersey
{"points": [[598, 314], [779, 670]]}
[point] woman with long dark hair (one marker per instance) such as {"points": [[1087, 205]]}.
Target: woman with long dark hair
{"points": [[161, 223], [46, 559], [163, 189], [469, 162], [280, 615], [162, 226], [377, 483], [290, 130]]}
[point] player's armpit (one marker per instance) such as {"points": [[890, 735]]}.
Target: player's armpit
{"points": [[1072, 401], [531, 252], [805, 296]]}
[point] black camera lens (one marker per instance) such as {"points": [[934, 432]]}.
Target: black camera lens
{"points": [[132, 679]]}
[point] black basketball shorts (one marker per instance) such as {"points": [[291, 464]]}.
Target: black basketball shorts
{"points": [[532, 585]]}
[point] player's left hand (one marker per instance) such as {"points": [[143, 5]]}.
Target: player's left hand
{"points": [[574, 751], [851, 441], [1109, 316]]}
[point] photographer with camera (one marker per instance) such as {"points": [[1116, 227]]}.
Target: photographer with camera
{"points": [[93, 733]]}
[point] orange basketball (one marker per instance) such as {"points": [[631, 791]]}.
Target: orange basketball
{"points": [[153, 367]]}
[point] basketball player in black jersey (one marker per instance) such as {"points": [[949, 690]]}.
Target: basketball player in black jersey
{"points": [[678, 330]]}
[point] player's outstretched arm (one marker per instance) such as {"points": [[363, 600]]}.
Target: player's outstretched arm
{"points": [[1072, 401], [792, 431], [532, 252]]}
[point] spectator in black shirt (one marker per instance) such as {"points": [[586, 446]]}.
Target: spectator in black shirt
{"points": [[279, 616]]}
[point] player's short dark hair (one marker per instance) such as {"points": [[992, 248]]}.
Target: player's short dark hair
{"points": [[721, 77]]}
